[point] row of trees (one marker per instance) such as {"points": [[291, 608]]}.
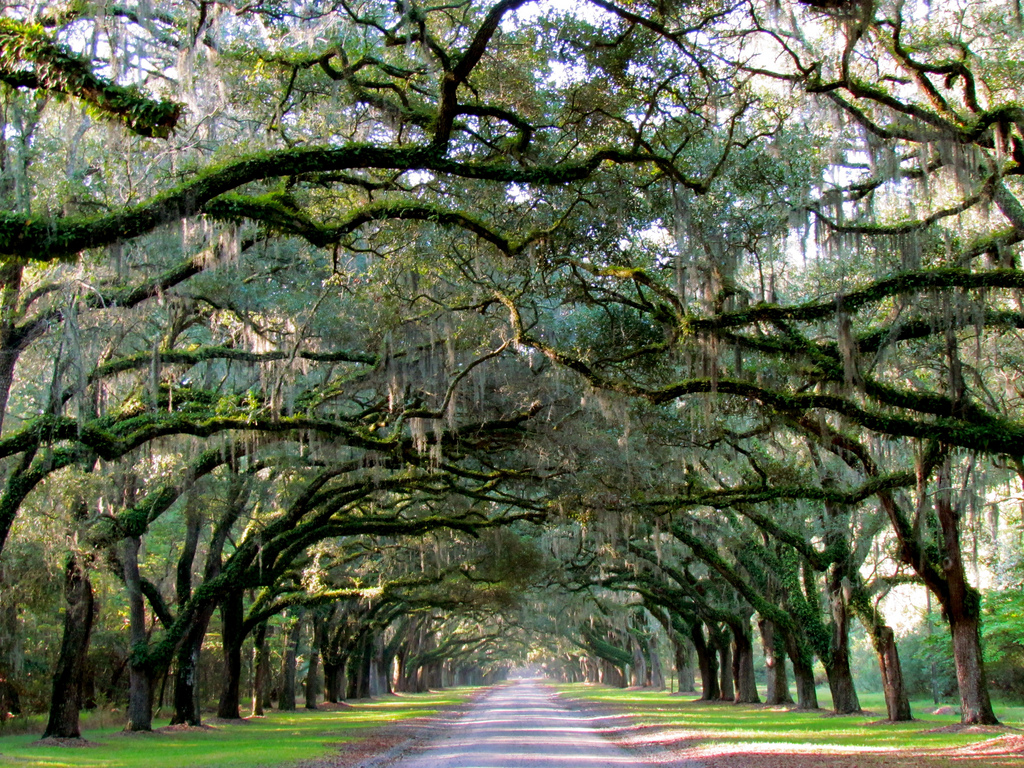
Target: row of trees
{"points": [[300, 301]]}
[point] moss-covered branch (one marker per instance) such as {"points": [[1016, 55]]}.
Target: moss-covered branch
{"points": [[906, 283], [46, 239], [53, 67]]}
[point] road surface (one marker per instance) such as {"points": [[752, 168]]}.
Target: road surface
{"points": [[521, 726]]}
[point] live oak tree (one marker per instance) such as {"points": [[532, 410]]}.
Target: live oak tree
{"points": [[316, 238]]}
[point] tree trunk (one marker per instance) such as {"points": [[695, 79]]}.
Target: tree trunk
{"points": [[612, 675], [707, 663], [359, 672], [261, 664], [66, 700], [685, 679], [727, 691], [638, 670], [962, 605], [803, 673], [960, 601], [334, 681], [186, 681], [656, 676], [840, 676], [286, 699], [313, 672], [775, 664], [378, 675], [140, 679], [897, 704], [11, 342], [975, 705], [743, 666], [232, 613]]}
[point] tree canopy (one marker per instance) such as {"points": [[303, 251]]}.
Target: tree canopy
{"points": [[459, 335]]}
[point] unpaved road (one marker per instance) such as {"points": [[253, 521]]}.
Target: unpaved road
{"points": [[521, 726]]}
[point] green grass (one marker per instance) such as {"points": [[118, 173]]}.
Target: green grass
{"points": [[279, 738], [724, 723]]}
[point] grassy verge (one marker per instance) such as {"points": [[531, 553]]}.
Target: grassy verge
{"points": [[280, 738], [726, 733]]}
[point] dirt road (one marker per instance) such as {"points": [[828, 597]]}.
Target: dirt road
{"points": [[521, 726]]}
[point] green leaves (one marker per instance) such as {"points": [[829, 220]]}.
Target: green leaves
{"points": [[52, 67]]}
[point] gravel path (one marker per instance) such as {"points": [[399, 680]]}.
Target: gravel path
{"points": [[521, 726]]}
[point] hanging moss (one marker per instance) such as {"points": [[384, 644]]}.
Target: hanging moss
{"points": [[55, 68], [907, 283]]}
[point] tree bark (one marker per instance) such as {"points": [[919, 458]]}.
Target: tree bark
{"points": [[187, 710], [707, 663], [743, 666], [66, 700], [803, 673], [359, 672], [775, 664], [656, 675], [286, 699], [334, 681], [232, 615], [638, 670], [140, 679], [261, 664], [962, 606], [313, 673], [897, 703], [975, 704], [840, 675], [685, 680], [186, 684], [727, 691]]}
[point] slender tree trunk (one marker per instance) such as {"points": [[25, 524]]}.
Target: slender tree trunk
{"points": [[313, 673], [232, 613], [286, 700], [775, 664], [897, 704], [11, 346], [140, 680], [186, 683], [261, 664], [66, 700]]}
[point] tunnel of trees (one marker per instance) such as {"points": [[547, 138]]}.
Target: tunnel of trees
{"points": [[356, 347]]}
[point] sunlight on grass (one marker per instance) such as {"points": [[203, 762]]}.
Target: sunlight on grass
{"points": [[736, 725], [281, 737]]}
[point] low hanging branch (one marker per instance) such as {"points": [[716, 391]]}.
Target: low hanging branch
{"points": [[30, 59], [47, 239]]}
